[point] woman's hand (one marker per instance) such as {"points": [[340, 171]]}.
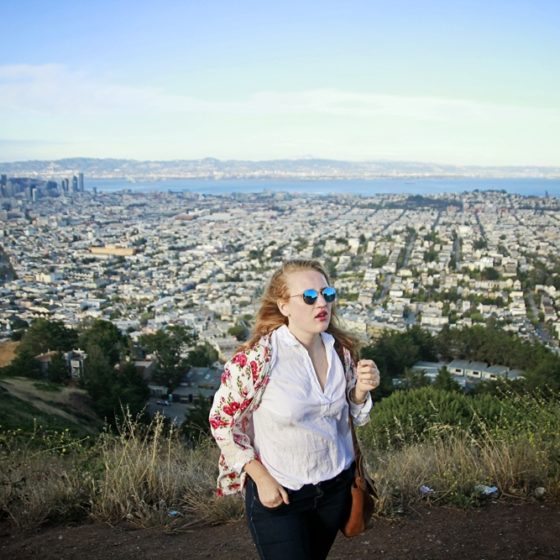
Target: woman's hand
{"points": [[271, 493], [367, 379]]}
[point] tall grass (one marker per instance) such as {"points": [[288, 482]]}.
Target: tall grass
{"points": [[41, 478], [141, 474], [146, 475], [511, 442]]}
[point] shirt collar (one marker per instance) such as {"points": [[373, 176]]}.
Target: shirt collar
{"points": [[287, 337]]}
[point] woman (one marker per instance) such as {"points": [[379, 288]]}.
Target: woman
{"points": [[280, 416]]}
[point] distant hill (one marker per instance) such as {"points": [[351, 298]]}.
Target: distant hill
{"points": [[26, 403], [306, 169]]}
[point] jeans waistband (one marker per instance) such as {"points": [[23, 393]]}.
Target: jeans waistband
{"points": [[344, 476]]}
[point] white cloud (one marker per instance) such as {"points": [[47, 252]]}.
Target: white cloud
{"points": [[94, 114], [56, 90]]}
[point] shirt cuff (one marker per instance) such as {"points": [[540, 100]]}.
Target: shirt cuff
{"points": [[242, 458], [360, 412]]}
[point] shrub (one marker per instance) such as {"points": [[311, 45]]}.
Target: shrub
{"points": [[451, 442]]}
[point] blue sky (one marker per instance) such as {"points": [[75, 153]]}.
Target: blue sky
{"points": [[464, 82]]}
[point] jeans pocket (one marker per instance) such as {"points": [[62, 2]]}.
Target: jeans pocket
{"points": [[257, 501]]}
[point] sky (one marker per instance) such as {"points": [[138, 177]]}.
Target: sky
{"points": [[451, 82]]}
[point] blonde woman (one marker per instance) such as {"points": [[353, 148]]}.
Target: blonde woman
{"points": [[281, 416]]}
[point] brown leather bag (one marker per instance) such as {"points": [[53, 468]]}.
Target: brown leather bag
{"points": [[364, 494]]}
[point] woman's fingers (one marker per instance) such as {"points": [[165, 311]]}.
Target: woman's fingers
{"points": [[367, 374], [284, 494]]}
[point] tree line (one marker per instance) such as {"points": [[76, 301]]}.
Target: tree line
{"points": [[109, 374], [396, 352], [113, 382]]}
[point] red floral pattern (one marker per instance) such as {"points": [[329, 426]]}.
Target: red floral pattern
{"points": [[242, 385]]}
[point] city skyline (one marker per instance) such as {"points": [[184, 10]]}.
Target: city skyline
{"points": [[420, 81]]}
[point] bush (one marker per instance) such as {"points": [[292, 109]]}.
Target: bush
{"points": [[451, 442]]}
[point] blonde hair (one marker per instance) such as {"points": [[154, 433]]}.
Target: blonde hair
{"points": [[269, 317]]}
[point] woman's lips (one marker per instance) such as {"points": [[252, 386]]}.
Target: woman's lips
{"points": [[322, 316]]}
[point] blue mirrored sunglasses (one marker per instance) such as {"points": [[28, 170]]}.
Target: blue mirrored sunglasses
{"points": [[310, 296]]}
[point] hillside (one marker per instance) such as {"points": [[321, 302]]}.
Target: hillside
{"points": [[25, 403], [7, 352], [309, 168]]}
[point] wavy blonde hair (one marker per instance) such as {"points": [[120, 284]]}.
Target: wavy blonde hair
{"points": [[269, 317]]}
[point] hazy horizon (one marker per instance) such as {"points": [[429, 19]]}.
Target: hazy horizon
{"points": [[254, 160]]}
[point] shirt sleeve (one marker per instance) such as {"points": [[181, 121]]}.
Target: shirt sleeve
{"points": [[360, 412], [228, 414]]}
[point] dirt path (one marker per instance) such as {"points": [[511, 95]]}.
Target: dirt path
{"points": [[497, 531]]}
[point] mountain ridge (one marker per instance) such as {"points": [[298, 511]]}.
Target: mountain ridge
{"points": [[303, 168]]}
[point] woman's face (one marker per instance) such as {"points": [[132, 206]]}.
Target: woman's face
{"points": [[305, 319]]}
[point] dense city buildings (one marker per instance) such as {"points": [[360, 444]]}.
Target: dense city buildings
{"points": [[147, 260]]}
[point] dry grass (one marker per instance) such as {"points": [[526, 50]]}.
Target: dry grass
{"points": [[151, 478], [453, 466], [7, 352], [41, 477], [146, 475]]}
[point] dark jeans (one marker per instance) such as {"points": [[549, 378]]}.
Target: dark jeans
{"points": [[305, 528]]}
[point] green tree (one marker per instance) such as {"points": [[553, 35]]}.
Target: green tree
{"points": [[394, 352], [415, 379], [378, 260], [196, 428], [545, 374], [490, 274], [239, 331], [330, 267], [44, 335], [113, 390], [430, 255], [444, 380], [18, 326], [58, 370], [130, 390], [317, 251], [98, 379], [169, 346], [203, 355], [24, 364], [106, 336]]}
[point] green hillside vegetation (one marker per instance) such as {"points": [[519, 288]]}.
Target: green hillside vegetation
{"points": [[108, 377], [28, 405]]}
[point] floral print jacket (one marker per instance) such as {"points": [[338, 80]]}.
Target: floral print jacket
{"points": [[243, 383]]}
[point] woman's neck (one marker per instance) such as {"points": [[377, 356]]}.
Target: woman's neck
{"points": [[311, 341]]}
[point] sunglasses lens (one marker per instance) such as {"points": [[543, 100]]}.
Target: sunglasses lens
{"points": [[310, 296], [329, 294]]}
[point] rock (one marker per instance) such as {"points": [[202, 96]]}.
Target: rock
{"points": [[539, 492]]}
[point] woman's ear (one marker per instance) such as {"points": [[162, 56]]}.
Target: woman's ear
{"points": [[283, 307]]}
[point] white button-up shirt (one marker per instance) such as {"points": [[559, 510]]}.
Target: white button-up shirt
{"points": [[302, 433]]}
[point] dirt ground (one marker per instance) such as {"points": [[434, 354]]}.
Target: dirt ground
{"points": [[496, 531]]}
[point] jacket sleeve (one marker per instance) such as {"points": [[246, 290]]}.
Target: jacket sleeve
{"points": [[229, 418]]}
